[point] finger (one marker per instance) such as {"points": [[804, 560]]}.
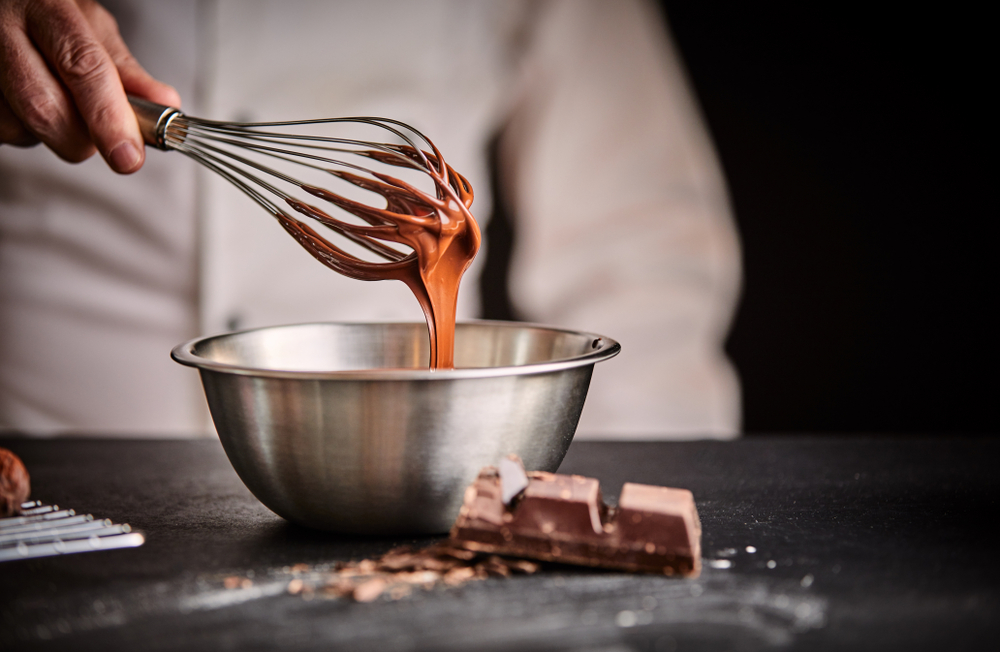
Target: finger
{"points": [[84, 66], [135, 79], [12, 131], [37, 99], [140, 83]]}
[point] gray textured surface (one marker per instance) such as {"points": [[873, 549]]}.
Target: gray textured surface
{"points": [[876, 544]]}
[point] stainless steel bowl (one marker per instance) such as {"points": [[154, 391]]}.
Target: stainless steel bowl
{"points": [[342, 427]]}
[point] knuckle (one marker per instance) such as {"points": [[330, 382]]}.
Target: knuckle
{"points": [[128, 59], [41, 113], [10, 19], [81, 62]]}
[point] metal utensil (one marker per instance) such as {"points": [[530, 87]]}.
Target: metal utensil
{"points": [[284, 165], [401, 193], [342, 426], [45, 530]]}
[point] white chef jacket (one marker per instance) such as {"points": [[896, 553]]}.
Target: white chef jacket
{"points": [[622, 221]]}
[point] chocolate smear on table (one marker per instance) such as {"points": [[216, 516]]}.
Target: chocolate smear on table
{"points": [[562, 518], [15, 484]]}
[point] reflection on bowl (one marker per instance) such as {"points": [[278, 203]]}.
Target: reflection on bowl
{"points": [[342, 426]]}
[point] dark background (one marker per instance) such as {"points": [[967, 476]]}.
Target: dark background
{"points": [[854, 142]]}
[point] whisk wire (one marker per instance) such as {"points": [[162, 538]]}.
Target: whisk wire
{"points": [[219, 167], [229, 149], [251, 131], [222, 163], [282, 154]]}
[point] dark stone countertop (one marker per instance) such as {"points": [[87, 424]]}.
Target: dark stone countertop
{"points": [[876, 543]]}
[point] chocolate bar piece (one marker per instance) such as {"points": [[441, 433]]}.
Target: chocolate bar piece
{"points": [[563, 518]]}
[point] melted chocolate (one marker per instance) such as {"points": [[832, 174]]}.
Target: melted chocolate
{"points": [[440, 230]]}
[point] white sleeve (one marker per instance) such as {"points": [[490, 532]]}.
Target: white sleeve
{"points": [[622, 220]]}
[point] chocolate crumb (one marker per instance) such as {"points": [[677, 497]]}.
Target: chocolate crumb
{"points": [[396, 573], [15, 484], [458, 576], [370, 590]]}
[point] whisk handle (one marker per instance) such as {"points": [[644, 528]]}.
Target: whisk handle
{"points": [[153, 120]]}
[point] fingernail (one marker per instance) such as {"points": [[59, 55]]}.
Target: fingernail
{"points": [[125, 157]]}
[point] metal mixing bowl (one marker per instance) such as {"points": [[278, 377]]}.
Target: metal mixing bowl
{"points": [[342, 427]]}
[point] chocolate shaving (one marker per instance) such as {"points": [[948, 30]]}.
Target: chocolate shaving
{"points": [[398, 572]]}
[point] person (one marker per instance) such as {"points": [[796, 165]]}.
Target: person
{"points": [[620, 211]]}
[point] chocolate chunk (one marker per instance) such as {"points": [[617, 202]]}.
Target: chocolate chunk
{"points": [[563, 518], [563, 504], [15, 485], [512, 478], [657, 520]]}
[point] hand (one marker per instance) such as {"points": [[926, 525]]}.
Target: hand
{"points": [[64, 74]]}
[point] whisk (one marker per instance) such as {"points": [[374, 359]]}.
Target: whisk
{"points": [[266, 160]]}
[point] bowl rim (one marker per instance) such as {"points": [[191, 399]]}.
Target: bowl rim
{"points": [[605, 348]]}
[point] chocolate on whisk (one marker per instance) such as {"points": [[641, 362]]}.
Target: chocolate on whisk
{"points": [[435, 224]]}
